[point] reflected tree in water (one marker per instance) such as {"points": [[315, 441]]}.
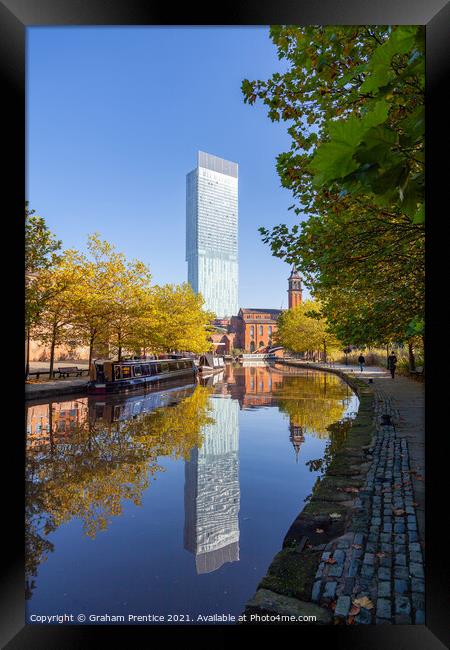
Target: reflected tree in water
{"points": [[93, 470], [313, 402]]}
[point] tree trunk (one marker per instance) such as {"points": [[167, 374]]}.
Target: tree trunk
{"points": [[52, 352], [325, 351], [387, 355], [91, 348], [412, 360], [27, 353]]}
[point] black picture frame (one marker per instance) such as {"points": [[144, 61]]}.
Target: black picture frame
{"points": [[15, 17]]}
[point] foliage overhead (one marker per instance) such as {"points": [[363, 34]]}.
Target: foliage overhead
{"points": [[354, 100]]}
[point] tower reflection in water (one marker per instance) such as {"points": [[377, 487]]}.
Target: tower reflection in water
{"points": [[211, 490]]}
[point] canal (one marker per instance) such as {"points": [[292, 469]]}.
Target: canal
{"points": [[173, 502]]}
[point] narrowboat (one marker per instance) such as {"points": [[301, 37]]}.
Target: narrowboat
{"points": [[108, 376], [210, 363]]}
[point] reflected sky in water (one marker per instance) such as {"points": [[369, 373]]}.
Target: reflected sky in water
{"points": [[174, 501]]}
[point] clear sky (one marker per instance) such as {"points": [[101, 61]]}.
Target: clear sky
{"points": [[115, 117]]}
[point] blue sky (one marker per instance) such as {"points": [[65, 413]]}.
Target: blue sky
{"points": [[115, 117]]}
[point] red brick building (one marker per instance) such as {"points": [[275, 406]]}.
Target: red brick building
{"points": [[254, 328], [223, 342]]}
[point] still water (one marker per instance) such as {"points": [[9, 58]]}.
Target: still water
{"points": [[174, 502]]}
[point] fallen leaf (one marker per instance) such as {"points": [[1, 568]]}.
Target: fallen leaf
{"points": [[381, 554], [319, 530], [347, 489], [355, 609], [363, 602], [332, 605], [398, 511], [351, 620], [335, 515], [357, 546], [330, 560]]}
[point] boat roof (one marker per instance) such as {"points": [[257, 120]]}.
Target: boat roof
{"points": [[141, 360]]}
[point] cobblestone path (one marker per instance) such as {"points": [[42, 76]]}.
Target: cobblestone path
{"points": [[375, 572]]}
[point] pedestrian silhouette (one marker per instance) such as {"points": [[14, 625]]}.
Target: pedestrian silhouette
{"points": [[392, 363], [361, 361]]}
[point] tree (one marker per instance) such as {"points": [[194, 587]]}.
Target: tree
{"points": [[41, 252], [108, 296], [303, 328], [354, 97], [58, 283], [176, 320]]}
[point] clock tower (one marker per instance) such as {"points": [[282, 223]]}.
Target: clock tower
{"points": [[295, 289]]}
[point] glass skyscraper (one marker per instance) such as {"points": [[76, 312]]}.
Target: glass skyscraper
{"points": [[212, 233]]}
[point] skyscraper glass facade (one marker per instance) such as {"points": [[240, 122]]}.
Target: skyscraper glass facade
{"points": [[212, 233]]}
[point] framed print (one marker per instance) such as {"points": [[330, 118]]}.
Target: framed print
{"points": [[228, 317]]}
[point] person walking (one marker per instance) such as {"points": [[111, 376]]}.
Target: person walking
{"points": [[392, 363], [361, 361]]}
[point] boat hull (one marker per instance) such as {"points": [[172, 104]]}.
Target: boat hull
{"points": [[139, 383]]}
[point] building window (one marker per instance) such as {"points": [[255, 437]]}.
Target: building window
{"points": [[270, 330], [252, 330], [252, 346], [261, 330]]}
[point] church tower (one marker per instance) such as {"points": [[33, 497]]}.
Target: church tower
{"points": [[295, 289]]}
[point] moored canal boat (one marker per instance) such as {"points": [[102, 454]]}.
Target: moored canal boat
{"points": [[108, 376], [210, 363]]}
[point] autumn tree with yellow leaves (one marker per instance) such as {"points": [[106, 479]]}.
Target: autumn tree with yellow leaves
{"points": [[303, 329], [103, 300]]}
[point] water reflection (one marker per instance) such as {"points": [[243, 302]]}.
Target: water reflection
{"points": [[211, 492], [86, 457], [89, 457]]}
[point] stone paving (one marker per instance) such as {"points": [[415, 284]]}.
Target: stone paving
{"points": [[379, 562]]}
